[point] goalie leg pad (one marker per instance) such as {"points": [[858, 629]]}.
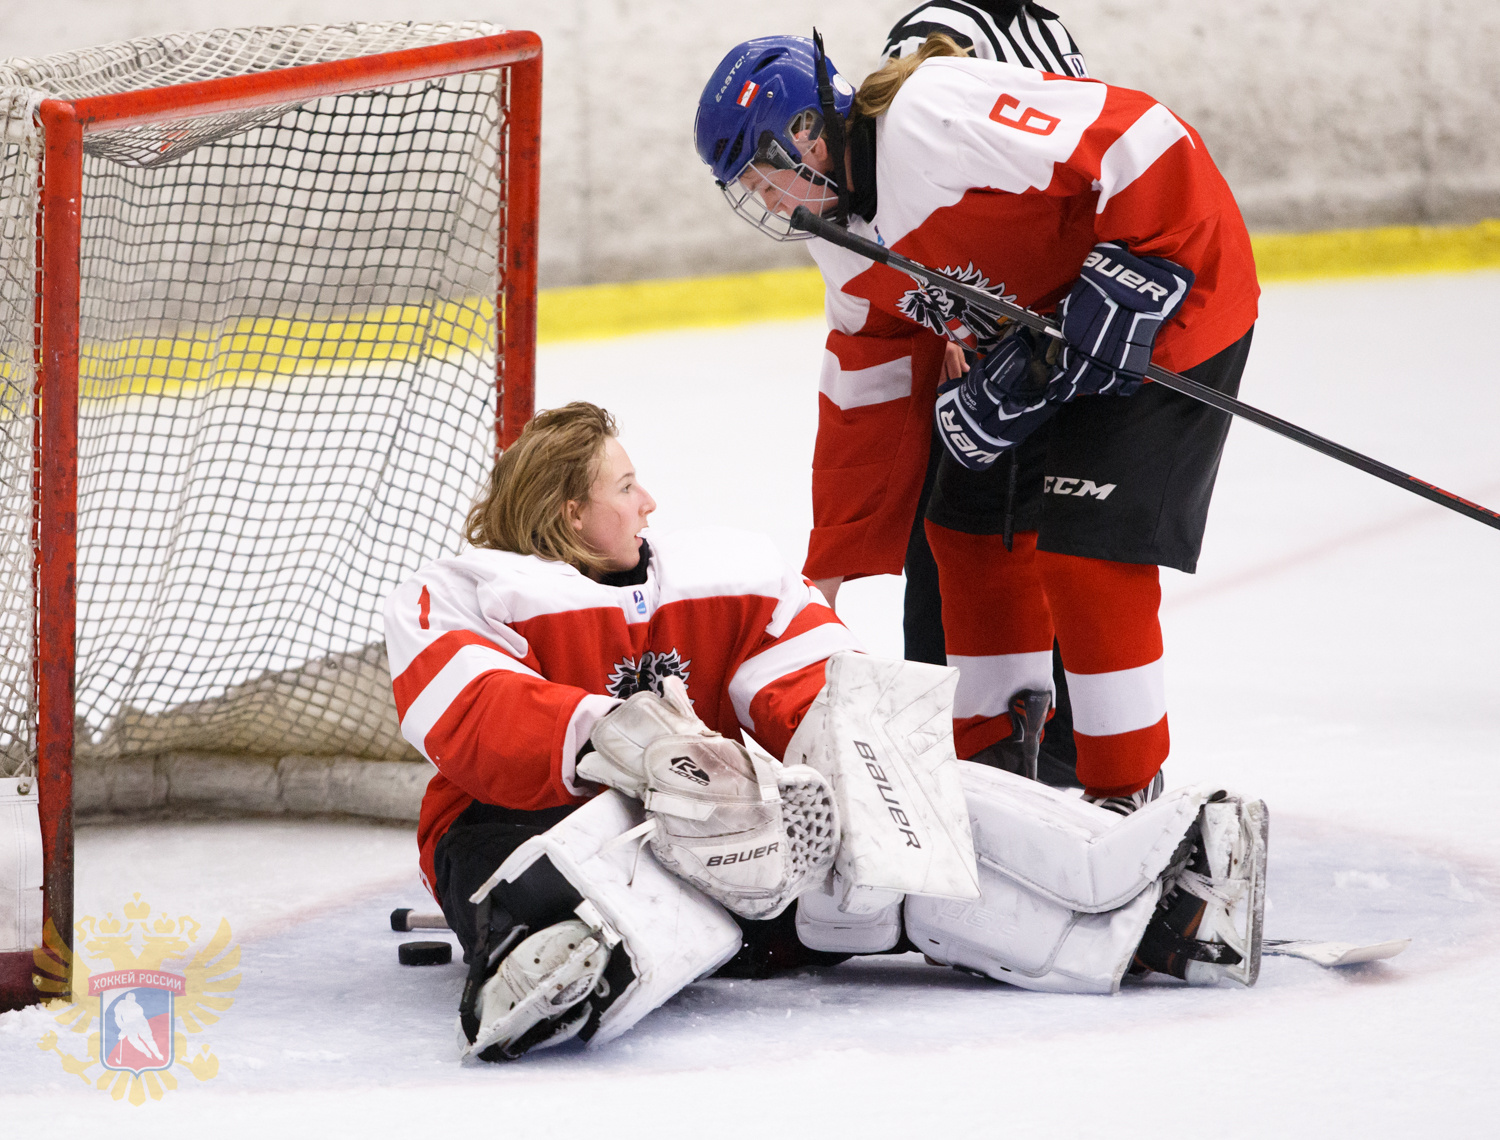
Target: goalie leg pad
{"points": [[1014, 935], [822, 925], [1082, 857], [1071, 890], [660, 932], [882, 733], [1067, 888]]}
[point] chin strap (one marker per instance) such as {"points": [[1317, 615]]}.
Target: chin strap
{"points": [[833, 127]]}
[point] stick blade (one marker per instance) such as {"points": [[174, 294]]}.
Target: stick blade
{"points": [[1336, 953]]}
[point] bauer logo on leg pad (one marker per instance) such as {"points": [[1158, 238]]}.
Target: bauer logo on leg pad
{"points": [[887, 793]]}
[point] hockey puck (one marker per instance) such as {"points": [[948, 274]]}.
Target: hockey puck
{"points": [[425, 953]]}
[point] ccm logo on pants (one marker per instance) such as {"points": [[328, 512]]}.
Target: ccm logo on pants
{"points": [[1078, 488]]}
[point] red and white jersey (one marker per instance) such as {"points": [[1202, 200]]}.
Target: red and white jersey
{"points": [[501, 663], [1006, 177]]}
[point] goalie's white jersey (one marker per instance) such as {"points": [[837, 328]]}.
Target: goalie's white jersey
{"points": [[502, 663]]}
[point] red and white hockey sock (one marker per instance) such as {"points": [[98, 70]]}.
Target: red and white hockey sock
{"points": [[1110, 637], [997, 627]]}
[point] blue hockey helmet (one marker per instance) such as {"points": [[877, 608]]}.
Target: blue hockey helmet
{"points": [[761, 96]]}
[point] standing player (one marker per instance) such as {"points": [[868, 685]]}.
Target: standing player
{"points": [[1011, 31], [1058, 193]]}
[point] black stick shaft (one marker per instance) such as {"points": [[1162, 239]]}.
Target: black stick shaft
{"points": [[804, 219]]}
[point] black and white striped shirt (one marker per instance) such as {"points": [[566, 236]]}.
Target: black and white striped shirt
{"points": [[1012, 31]]}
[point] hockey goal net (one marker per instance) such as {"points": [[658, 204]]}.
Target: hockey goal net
{"points": [[269, 302]]}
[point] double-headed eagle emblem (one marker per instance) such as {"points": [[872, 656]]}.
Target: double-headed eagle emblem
{"points": [[128, 1015]]}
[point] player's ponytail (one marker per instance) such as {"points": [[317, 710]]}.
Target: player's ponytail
{"points": [[879, 89], [555, 460]]}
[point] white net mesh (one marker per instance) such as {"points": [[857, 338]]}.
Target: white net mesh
{"points": [[287, 381]]}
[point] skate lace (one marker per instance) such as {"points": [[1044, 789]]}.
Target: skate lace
{"points": [[1226, 892]]}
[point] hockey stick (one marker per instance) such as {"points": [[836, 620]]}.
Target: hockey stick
{"points": [[405, 920], [804, 219], [1335, 953]]}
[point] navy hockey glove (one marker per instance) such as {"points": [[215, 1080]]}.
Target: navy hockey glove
{"points": [[997, 404], [1110, 320]]}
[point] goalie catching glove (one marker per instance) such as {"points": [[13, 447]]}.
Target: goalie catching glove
{"points": [[748, 832]]}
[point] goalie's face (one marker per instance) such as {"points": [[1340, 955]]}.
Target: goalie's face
{"points": [[611, 519]]}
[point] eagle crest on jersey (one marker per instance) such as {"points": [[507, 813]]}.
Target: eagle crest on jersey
{"points": [[934, 308], [630, 677]]}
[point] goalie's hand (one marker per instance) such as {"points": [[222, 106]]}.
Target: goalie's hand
{"points": [[1110, 320], [621, 737], [997, 404]]}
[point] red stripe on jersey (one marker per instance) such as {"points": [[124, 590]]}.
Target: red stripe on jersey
{"points": [[1122, 107], [856, 353], [500, 738], [882, 447], [736, 624], [429, 663], [424, 608], [993, 601], [1123, 763], [779, 707], [811, 616], [1105, 612]]}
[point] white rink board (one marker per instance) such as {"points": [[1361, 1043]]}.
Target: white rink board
{"points": [[1336, 654]]}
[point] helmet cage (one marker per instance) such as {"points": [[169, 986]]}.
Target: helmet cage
{"points": [[805, 187]]}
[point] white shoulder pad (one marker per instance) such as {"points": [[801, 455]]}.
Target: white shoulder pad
{"points": [[672, 933]]}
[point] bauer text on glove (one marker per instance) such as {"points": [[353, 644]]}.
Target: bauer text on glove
{"points": [[1000, 401], [1110, 320]]}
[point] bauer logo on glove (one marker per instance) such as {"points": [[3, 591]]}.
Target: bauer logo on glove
{"points": [[997, 404], [1110, 320]]}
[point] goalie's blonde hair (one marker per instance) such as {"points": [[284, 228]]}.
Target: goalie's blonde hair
{"points": [[553, 462], [879, 89]]}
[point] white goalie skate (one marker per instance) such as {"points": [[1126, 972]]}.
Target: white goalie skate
{"points": [[1207, 925], [538, 997]]}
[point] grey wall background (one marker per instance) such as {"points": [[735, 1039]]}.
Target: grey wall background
{"points": [[1322, 115]]}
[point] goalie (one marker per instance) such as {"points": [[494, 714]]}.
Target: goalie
{"points": [[583, 694]]}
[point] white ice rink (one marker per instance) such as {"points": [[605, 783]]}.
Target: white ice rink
{"points": [[1338, 654]]}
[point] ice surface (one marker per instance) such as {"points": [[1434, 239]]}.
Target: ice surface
{"points": [[1337, 653]]}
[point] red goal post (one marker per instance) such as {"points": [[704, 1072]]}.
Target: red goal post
{"points": [[63, 207]]}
